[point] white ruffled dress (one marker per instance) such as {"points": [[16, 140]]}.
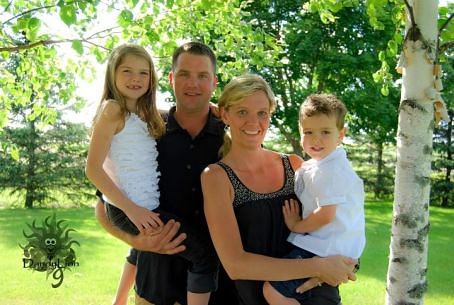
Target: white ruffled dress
{"points": [[132, 163]]}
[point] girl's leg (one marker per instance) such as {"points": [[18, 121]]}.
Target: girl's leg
{"points": [[198, 298], [126, 282]]}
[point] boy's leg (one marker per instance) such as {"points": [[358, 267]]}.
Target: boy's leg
{"points": [[272, 296]]}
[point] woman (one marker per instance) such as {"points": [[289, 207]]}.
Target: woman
{"points": [[244, 194]]}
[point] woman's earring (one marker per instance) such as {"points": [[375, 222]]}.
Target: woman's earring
{"points": [[226, 128]]}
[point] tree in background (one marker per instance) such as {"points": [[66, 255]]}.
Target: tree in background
{"points": [[38, 159], [49, 165], [442, 190]]}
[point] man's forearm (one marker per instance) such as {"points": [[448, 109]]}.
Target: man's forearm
{"points": [[101, 215], [167, 241]]}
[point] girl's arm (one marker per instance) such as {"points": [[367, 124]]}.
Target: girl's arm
{"points": [[108, 124], [239, 264]]}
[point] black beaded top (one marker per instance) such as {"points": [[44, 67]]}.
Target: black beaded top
{"points": [[243, 194]]}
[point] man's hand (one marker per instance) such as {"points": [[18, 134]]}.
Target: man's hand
{"points": [[163, 242]]}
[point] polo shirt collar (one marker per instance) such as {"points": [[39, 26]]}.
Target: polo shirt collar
{"points": [[213, 125]]}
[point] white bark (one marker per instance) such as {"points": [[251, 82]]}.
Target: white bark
{"points": [[406, 282]]}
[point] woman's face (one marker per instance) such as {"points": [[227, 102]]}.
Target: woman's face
{"points": [[249, 120]]}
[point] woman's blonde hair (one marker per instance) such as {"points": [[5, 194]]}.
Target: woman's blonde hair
{"points": [[146, 104], [235, 91]]}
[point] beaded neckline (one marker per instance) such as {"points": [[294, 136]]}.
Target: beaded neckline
{"points": [[243, 194]]}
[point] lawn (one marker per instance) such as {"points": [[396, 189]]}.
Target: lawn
{"points": [[101, 258]]}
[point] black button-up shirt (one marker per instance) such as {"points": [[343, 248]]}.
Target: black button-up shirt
{"points": [[181, 160]]}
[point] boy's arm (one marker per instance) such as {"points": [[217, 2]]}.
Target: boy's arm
{"points": [[320, 217]]}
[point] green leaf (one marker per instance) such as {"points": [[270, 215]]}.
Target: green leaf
{"points": [[132, 3], [125, 18], [68, 14], [15, 153], [384, 90], [78, 47], [34, 24]]}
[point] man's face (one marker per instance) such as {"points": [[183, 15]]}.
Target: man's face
{"points": [[193, 82]]}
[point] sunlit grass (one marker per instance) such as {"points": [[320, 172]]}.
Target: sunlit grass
{"points": [[371, 283], [101, 258]]}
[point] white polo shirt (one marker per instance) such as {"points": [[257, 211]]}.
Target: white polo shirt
{"points": [[326, 182]]}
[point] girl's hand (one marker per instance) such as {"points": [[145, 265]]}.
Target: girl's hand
{"points": [[144, 219], [335, 270], [291, 211]]}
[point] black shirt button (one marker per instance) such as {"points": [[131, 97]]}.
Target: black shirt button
{"points": [[188, 166]]}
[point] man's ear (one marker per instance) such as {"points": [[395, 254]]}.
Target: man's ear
{"points": [[171, 78]]}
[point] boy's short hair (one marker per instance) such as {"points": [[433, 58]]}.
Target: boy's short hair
{"points": [[327, 104]]}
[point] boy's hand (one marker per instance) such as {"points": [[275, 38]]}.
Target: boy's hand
{"points": [[291, 211]]}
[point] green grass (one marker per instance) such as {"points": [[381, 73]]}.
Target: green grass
{"points": [[371, 282], [101, 258], [93, 282]]}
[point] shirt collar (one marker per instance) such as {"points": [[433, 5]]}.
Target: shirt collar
{"points": [[213, 126], [339, 152]]}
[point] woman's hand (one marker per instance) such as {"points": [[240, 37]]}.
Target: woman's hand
{"points": [[335, 270]]}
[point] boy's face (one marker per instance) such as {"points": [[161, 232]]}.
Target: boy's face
{"points": [[320, 135]]}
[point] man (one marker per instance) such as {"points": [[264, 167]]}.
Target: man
{"points": [[191, 142]]}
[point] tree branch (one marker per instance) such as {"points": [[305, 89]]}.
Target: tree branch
{"points": [[28, 12], [441, 49], [410, 11], [46, 43]]}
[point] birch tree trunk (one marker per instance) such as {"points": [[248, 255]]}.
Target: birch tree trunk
{"points": [[407, 269]]}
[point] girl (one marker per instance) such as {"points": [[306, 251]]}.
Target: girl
{"points": [[122, 161]]}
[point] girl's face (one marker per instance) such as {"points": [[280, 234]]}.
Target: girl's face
{"points": [[249, 120], [132, 78], [320, 135]]}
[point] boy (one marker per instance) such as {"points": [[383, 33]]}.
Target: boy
{"points": [[333, 201]]}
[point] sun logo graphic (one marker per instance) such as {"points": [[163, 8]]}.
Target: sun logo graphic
{"points": [[49, 249]]}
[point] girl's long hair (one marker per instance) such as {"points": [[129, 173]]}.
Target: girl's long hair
{"points": [[146, 104]]}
